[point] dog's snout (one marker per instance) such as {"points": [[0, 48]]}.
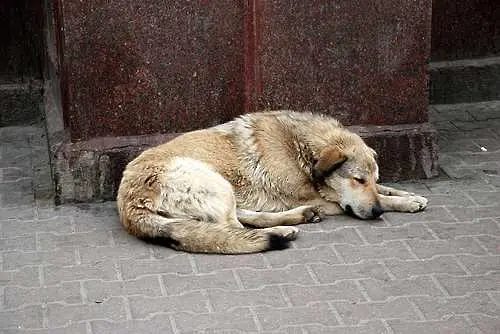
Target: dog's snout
{"points": [[377, 211]]}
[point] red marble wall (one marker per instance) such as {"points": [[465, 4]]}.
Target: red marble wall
{"points": [[363, 61], [140, 67], [465, 29]]}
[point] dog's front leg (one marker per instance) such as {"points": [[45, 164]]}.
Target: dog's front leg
{"points": [[389, 191], [410, 203], [325, 208]]}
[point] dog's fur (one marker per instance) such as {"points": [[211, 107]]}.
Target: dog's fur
{"points": [[269, 170]]}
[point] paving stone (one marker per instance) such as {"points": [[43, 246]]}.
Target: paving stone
{"points": [[376, 235], [356, 313], [27, 317], [456, 199], [491, 243], [332, 273], [228, 322], [16, 260], [455, 325], [177, 284], [157, 324], [142, 307], [435, 265], [461, 145], [104, 253], [99, 290], [487, 324], [471, 213], [99, 270], [208, 263], [453, 230], [18, 213], [59, 314], [223, 300], [319, 254], [19, 243], [458, 286], [451, 186], [80, 328], [26, 276], [15, 228], [49, 241], [343, 290], [339, 236], [384, 289], [480, 264], [386, 250], [276, 318], [255, 278], [430, 214], [426, 249], [86, 223], [68, 292], [368, 327], [442, 308], [133, 268]]}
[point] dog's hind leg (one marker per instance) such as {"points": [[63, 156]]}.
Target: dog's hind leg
{"points": [[299, 215], [205, 204]]}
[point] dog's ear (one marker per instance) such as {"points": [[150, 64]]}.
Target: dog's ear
{"points": [[330, 159]]}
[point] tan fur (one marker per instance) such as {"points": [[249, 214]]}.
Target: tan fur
{"points": [[263, 169]]}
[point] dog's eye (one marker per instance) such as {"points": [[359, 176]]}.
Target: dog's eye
{"points": [[360, 180]]}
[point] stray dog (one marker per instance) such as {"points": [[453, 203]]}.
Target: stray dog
{"points": [[268, 170]]}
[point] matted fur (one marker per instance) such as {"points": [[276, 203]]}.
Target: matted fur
{"points": [[268, 170]]}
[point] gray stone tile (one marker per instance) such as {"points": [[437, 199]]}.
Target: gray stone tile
{"points": [[223, 300], [343, 290], [487, 324], [276, 318], [240, 319], [60, 314], [176, 284], [455, 325], [332, 273], [143, 307], [27, 317], [386, 250], [68, 292], [256, 278], [442, 308], [435, 265], [99, 290], [357, 313], [461, 285], [384, 289]]}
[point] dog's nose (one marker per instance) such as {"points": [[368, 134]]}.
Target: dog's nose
{"points": [[377, 211]]}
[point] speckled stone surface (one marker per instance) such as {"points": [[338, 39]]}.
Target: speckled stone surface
{"points": [[364, 63], [140, 67], [132, 68]]}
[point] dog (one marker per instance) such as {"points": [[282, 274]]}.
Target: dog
{"points": [[269, 170]]}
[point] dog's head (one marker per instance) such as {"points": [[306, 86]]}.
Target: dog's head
{"points": [[347, 175]]}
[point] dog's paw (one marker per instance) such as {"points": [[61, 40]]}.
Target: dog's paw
{"points": [[311, 214], [416, 203], [287, 232]]}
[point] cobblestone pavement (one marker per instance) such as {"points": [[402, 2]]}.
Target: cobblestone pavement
{"points": [[72, 269]]}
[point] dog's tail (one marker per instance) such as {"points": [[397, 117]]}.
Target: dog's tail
{"points": [[205, 237]]}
